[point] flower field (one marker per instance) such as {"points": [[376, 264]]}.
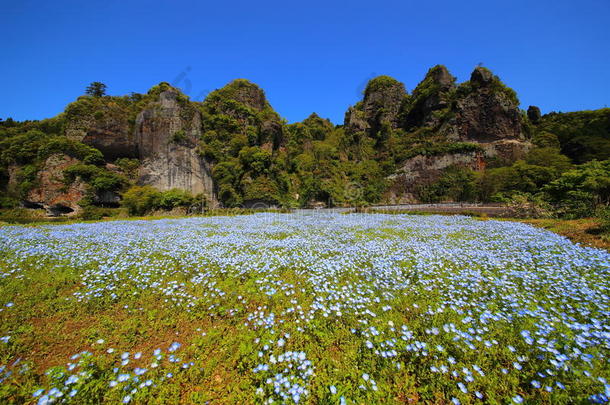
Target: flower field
{"points": [[312, 308]]}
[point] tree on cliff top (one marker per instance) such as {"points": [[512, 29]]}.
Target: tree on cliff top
{"points": [[96, 89]]}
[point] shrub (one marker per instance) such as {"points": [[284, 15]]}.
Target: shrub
{"points": [[175, 198], [545, 139], [128, 166], [22, 148], [72, 148], [583, 134], [8, 202], [140, 200], [455, 184], [576, 204], [21, 215], [603, 215], [524, 205], [380, 83], [178, 137], [99, 178], [577, 192]]}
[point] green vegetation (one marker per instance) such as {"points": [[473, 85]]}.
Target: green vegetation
{"points": [[413, 108], [241, 132], [380, 83], [255, 156], [143, 200], [96, 89], [100, 179], [374, 309], [494, 83], [455, 184], [583, 135]]}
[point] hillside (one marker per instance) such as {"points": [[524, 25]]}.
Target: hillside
{"points": [[443, 141]]}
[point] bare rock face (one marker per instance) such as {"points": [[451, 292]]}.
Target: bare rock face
{"points": [[113, 139], [422, 170], [102, 123], [383, 98], [167, 133], [482, 111], [487, 111], [51, 192], [355, 119]]}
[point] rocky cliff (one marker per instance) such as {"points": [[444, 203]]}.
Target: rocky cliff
{"points": [[51, 191], [161, 130], [432, 96], [487, 112], [235, 149], [241, 108], [166, 136], [104, 123], [478, 121], [383, 98]]}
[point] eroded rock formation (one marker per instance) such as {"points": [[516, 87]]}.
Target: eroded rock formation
{"points": [[481, 111], [383, 98], [51, 191], [103, 123], [166, 134]]}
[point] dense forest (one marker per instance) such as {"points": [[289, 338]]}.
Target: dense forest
{"points": [[443, 141]]}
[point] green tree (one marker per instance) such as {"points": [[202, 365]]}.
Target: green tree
{"points": [[579, 191], [140, 200], [96, 89], [533, 113]]}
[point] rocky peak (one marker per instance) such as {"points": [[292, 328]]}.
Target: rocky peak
{"points": [[431, 94], [246, 105], [481, 76], [441, 76], [534, 115], [381, 104], [487, 112], [314, 120], [242, 91]]}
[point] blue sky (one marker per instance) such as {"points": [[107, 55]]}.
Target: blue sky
{"points": [[307, 56]]}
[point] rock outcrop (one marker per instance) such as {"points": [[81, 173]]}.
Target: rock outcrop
{"points": [[383, 98], [246, 104], [431, 95], [481, 112], [103, 123], [486, 111], [51, 192], [533, 114], [236, 146], [424, 170], [167, 133]]}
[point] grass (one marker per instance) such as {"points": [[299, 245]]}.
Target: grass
{"points": [[584, 231], [364, 307]]}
